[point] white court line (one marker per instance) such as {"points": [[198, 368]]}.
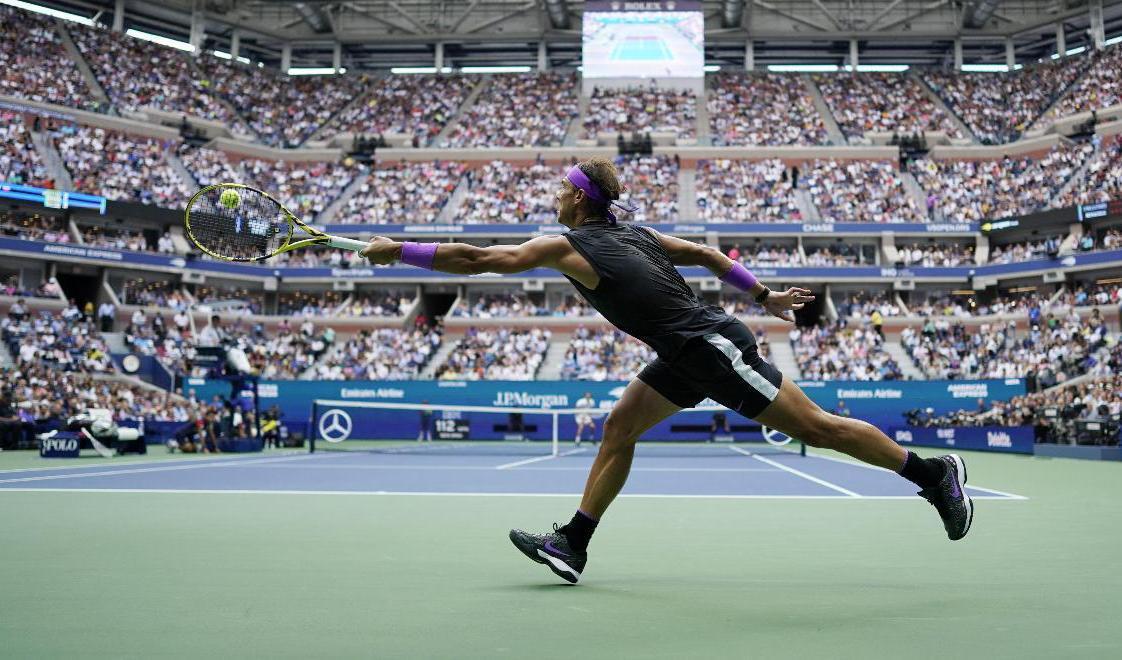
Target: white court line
{"points": [[166, 468], [797, 473], [488, 468], [188, 491], [186, 459], [846, 461], [507, 466]]}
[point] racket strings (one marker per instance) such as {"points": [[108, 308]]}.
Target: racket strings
{"points": [[255, 228]]}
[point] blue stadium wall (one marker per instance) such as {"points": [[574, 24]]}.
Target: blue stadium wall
{"points": [[881, 403]]}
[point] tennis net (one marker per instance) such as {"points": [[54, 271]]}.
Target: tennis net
{"points": [[444, 430]]}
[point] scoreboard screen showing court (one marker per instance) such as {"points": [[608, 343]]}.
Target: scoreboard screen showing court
{"points": [[644, 40]]}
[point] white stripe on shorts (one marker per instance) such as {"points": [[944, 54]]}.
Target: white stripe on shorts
{"points": [[750, 375]]}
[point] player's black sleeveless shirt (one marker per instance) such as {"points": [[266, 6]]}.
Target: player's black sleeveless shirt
{"points": [[640, 290]]}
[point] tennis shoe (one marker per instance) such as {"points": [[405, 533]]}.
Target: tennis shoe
{"points": [[553, 550], [950, 499]]}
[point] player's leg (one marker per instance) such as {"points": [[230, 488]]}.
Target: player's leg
{"points": [[565, 549], [750, 385], [640, 408], [793, 413], [941, 479]]}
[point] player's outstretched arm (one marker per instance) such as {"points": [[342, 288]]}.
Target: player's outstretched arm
{"points": [[463, 259], [780, 304]]}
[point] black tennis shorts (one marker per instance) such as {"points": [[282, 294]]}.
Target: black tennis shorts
{"points": [[724, 366]]}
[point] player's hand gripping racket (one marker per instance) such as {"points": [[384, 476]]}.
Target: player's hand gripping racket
{"points": [[237, 223]]}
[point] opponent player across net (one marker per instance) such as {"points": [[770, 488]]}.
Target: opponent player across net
{"points": [[628, 273]]}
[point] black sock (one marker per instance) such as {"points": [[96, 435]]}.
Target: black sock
{"points": [[579, 530], [923, 472]]}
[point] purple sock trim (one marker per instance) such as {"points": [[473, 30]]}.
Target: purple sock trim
{"points": [[907, 455], [581, 512], [420, 255], [740, 277]]}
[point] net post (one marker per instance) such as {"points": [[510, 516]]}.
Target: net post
{"points": [[312, 428], [556, 449]]}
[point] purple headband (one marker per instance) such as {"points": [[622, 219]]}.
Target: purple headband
{"points": [[579, 179]]}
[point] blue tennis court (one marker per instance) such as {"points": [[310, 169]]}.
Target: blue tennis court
{"points": [[660, 470], [641, 49]]}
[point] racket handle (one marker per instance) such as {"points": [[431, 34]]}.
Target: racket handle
{"points": [[347, 243]]}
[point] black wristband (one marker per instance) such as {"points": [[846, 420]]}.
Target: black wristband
{"points": [[763, 295]]}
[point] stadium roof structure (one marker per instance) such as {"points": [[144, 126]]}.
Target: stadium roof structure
{"points": [[380, 34]]}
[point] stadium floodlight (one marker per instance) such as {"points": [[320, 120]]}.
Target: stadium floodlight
{"points": [[157, 39], [314, 71], [985, 68], [226, 56], [54, 13], [1070, 51], [803, 68], [1113, 40], [879, 68], [495, 69], [712, 68], [419, 69]]}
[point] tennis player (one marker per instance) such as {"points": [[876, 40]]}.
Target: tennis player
{"points": [[628, 274], [584, 419]]}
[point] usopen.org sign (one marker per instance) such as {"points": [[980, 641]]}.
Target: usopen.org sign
{"points": [[59, 448]]}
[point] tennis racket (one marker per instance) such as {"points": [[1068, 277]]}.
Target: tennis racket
{"points": [[235, 222]]}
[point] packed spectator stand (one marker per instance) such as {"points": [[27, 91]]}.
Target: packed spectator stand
{"points": [[763, 109], [35, 65], [499, 117], [641, 110], [496, 354], [604, 354], [881, 103]]}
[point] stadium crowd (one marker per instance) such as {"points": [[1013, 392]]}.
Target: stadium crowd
{"points": [[932, 255], [35, 65], [155, 293], [45, 398], [119, 167], [67, 340], [604, 354], [516, 304], [746, 191], [651, 184], [500, 192], [415, 105], [34, 227], [860, 191], [19, 161], [763, 109], [1055, 348], [766, 254], [980, 190], [842, 352], [531, 110], [137, 74], [281, 110], [641, 110], [382, 354], [881, 103], [496, 354], [1025, 250], [1099, 87], [1056, 413], [1102, 180], [402, 193], [1000, 107]]}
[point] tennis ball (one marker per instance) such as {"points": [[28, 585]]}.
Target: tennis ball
{"points": [[230, 199]]}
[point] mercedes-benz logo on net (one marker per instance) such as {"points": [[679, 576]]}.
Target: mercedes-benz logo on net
{"points": [[335, 425]]}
